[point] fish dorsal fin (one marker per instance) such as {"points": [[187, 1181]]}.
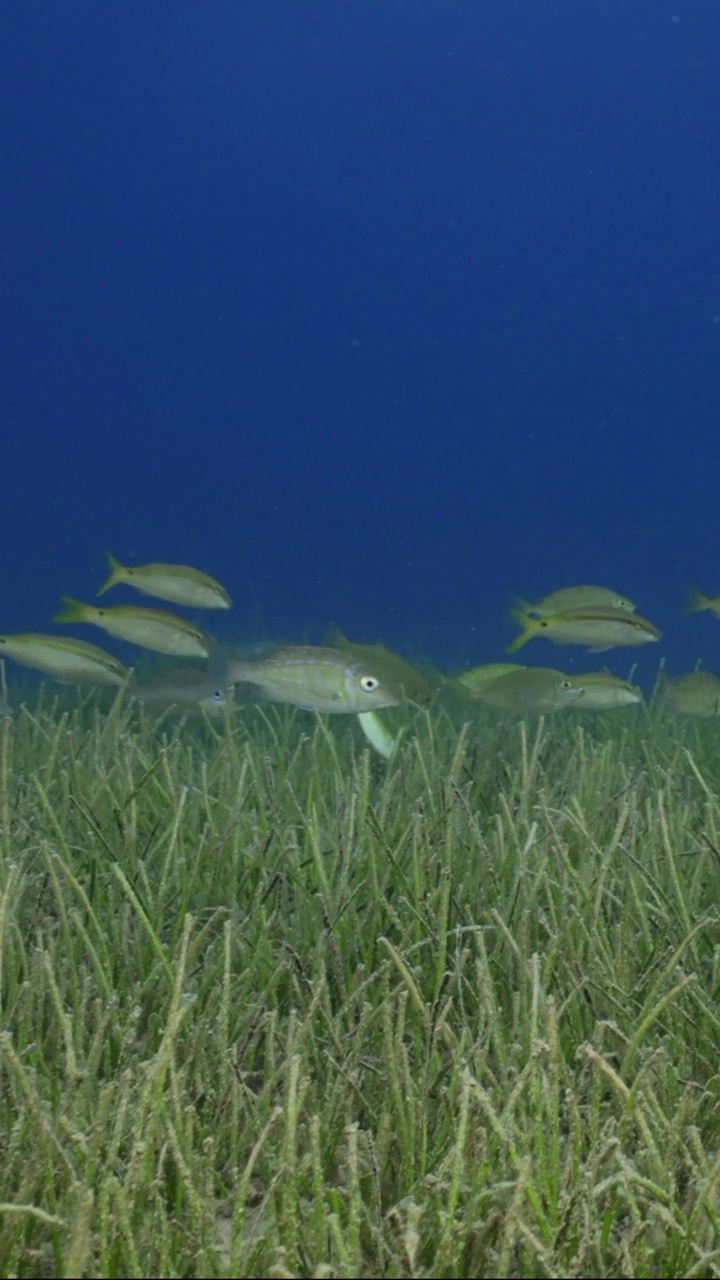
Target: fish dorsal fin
{"points": [[336, 639]]}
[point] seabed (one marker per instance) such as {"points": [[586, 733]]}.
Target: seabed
{"points": [[273, 1005]]}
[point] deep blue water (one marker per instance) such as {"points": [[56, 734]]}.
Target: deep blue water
{"points": [[378, 310]]}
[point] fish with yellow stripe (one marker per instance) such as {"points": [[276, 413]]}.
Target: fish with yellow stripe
{"points": [[148, 628], [597, 628], [178, 583]]}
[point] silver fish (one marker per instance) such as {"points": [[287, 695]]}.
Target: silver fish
{"points": [[70, 661], [184, 687], [314, 678]]}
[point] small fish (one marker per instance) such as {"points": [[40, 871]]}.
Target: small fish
{"points": [[476, 679], [70, 661], [696, 602], [178, 583], [377, 734], [602, 691], [532, 689], [316, 679], [148, 628], [567, 599], [694, 694], [393, 671], [183, 686], [597, 628]]}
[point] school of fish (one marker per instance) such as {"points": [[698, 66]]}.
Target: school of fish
{"points": [[343, 677]]}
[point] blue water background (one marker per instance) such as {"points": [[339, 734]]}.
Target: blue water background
{"points": [[378, 310]]}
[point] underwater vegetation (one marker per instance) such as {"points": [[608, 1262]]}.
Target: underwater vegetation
{"points": [[271, 1005], [274, 1001]]}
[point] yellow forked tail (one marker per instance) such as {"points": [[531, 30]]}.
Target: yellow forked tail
{"points": [[523, 608], [73, 611], [696, 601], [528, 630], [115, 570]]}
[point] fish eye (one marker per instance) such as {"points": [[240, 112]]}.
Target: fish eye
{"points": [[566, 684], [368, 684], [543, 622], [218, 695]]}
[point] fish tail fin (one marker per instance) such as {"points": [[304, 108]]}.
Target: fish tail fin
{"points": [[72, 612], [523, 607], [245, 661], [226, 668], [237, 670], [528, 630], [377, 733], [115, 571], [696, 601]]}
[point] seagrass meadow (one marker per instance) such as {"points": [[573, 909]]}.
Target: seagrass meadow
{"points": [[272, 1005]]}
